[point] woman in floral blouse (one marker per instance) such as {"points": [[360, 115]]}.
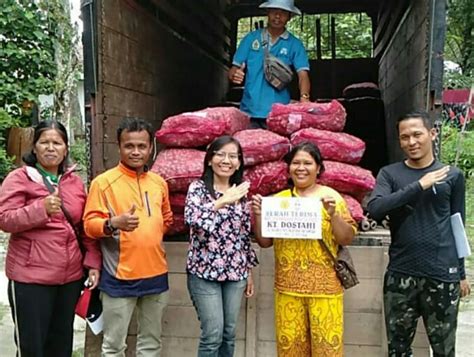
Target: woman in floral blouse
{"points": [[220, 256]]}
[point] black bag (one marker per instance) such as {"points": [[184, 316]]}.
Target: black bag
{"points": [[344, 266], [277, 73]]}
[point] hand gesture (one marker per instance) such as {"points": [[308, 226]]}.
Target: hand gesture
{"points": [[329, 204], [250, 288], [238, 75], [52, 203], [429, 179], [127, 221], [93, 279], [235, 193], [257, 205], [465, 288]]}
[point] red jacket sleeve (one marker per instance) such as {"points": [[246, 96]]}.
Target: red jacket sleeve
{"points": [[15, 214]]}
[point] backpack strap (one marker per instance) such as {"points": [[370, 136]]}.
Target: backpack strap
{"points": [[77, 232]]}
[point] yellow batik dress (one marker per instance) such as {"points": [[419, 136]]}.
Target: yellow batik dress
{"points": [[308, 295]]}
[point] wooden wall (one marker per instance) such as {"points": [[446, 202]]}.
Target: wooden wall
{"points": [[364, 334], [151, 65], [402, 47]]}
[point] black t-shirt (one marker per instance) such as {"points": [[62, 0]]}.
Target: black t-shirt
{"points": [[422, 241]]}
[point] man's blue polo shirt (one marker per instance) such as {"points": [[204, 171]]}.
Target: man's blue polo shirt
{"points": [[259, 95]]}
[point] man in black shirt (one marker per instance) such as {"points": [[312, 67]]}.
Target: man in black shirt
{"points": [[424, 275]]}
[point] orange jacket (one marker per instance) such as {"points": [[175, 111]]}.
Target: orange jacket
{"points": [[130, 255]]}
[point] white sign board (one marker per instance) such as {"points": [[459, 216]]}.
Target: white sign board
{"points": [[291, 217]]}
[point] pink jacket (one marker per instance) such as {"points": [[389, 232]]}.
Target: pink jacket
{"points": [[43, 249]]}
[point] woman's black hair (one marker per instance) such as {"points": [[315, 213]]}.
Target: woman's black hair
{"points": [[30, 158], [311, 149], [208, 174]]}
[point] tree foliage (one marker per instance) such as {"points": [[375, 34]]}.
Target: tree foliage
{"points": [[67, 58], [353, 33], [460, 35], [456, 143], [27, 65], [6, 162], [38, 56], [38, 53]]}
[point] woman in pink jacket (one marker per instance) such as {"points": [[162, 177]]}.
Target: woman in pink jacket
{"points": [[44, 262]]}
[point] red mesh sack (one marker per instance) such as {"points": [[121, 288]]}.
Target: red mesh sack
{"points": [[267, 178], [233, 119], [334, 146], [199, 128], [179, 167], [354, 207], [346, 178], [285, 119], [363, 89], [178, 225], [177, 202], [261, 145]]}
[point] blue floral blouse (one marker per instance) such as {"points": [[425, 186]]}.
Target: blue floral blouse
{"points": [[219, 247]]}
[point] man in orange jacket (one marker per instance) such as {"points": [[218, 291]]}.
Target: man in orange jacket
{"points": [[128, 210]]}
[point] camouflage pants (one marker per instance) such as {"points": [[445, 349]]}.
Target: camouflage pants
{"points": [[406, 298]]}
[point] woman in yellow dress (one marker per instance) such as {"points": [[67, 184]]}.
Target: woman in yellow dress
{"points": [[308, 294]]}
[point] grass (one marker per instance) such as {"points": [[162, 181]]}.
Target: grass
{"points": [[78, 353], [470, 220], [468, 302]]}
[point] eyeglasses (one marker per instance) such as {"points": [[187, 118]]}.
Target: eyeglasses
{"points": [[221, 155]]}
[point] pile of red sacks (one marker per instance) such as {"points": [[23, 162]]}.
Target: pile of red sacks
{"points": [[322, 124], [187, 134]]}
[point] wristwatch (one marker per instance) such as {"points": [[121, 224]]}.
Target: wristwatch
{"points": [[108, 226], [304, 95]]}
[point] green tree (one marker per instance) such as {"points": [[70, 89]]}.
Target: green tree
{"points": [[39, 52], [460, 38], [353, 33], [38, 55], [27, 65], [6, 162], [67, 58], [457, 148]]}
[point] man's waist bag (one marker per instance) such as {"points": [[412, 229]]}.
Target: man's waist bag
{"points": [[277, 73]]}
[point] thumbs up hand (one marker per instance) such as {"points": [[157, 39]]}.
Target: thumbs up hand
{"points": [[52, 203], [132, 209], [237, 74], [127, 221]]}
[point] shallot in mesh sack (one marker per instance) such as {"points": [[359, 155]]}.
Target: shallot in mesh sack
{"points": [[341, 147], [178, 226], [285, 119], [261, 145], [179, 167], [177, 202], [346, 178], [267, 178], [199, 128], [354, 207]]}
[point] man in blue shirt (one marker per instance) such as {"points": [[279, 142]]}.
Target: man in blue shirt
{"points": [[259, 94]]}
